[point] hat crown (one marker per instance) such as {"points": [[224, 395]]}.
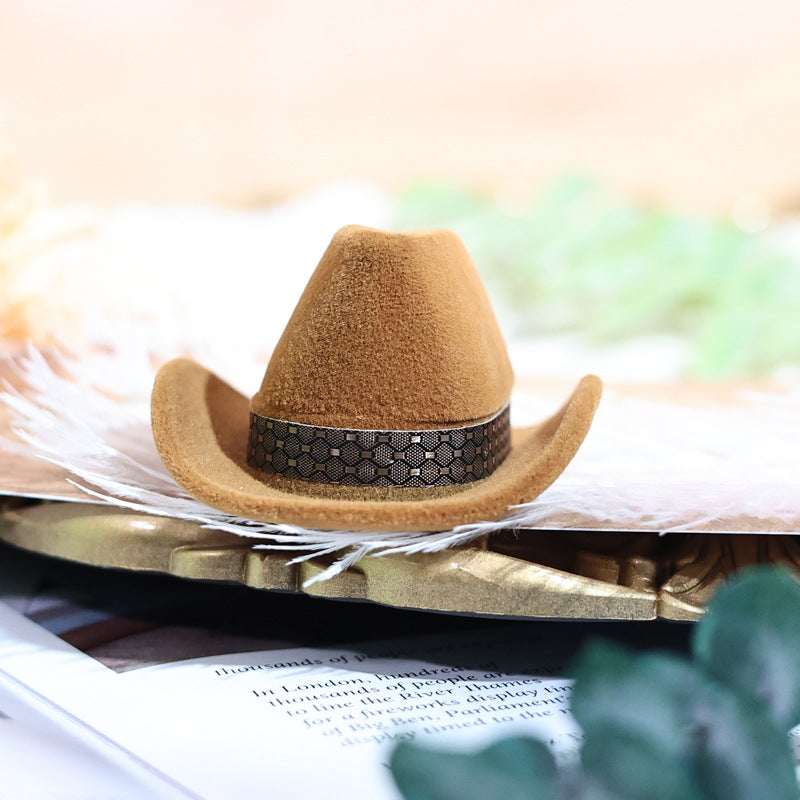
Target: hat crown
{"points": [[394, 331]]}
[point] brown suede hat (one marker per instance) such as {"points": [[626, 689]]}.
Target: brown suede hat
{"points": [[384, 406]]}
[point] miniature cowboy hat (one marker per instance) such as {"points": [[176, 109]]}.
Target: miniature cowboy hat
{"points": [[384, 406]]}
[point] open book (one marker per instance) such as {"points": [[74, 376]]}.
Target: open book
{"points": [[139, 686]]}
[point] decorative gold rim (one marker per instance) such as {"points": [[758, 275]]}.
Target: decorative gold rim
{"points": [[525, 574]]}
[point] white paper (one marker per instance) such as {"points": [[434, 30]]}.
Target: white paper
{"points": [[47, 753]]}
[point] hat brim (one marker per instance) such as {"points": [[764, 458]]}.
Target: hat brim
{"points": [[201, 424]]}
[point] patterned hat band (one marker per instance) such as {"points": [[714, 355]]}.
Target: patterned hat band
{"points": [[441, 457]]}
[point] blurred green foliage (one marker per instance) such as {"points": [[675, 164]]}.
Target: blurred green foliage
{"points": [[657, 726], [573, 260]]}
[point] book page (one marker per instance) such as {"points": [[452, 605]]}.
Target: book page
{"points": [[241, 724]]}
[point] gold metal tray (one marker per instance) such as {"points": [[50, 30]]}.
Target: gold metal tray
{"points": [[537, 574]]}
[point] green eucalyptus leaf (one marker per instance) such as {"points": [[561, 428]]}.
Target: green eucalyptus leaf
{"points": [[577, 785], [749, 639], [737, 751], [517, 768], [633, 713], [658, 727]]}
